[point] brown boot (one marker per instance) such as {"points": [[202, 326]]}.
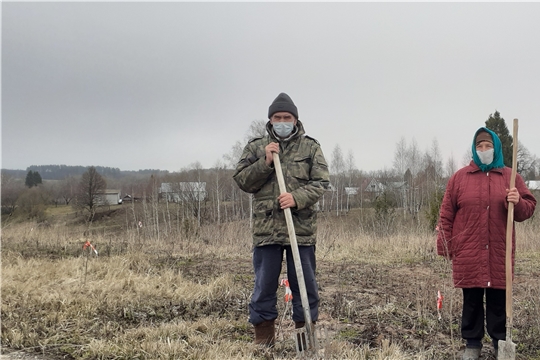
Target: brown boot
{"points": [[264, 333]]}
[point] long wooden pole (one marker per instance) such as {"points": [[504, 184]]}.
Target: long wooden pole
{"points": [[296, 258], [509, 230]]}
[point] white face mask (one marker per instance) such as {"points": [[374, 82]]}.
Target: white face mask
{"points": [[283, 129], [486, 157]]}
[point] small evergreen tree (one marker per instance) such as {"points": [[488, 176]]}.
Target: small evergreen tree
{"points": [[497, 124], [434, 206], [37, 178], [32, 179], [29, 181]]}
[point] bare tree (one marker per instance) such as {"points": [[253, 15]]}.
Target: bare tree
{"points": [[53, 188], [337, 168], [256, 129], [413, 163], [414, 158], [190, 189], [450, 166], [437, 161], [400, 168], [68, 189], [400, 158], [352, 175], [154, 202], [467, 157], [197, 167], [90, 185], [525, 160], [231, 159], [236, 195], [432, 172], [217, 188], [350, 167], [11, 190], [429, 179]]}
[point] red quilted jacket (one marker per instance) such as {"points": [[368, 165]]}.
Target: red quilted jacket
{"points": [[472, 224]]}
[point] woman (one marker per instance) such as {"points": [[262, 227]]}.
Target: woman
{"points": [[472, 233]]}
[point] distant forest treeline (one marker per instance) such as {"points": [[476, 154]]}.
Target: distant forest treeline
{"points": [[60, 172]]}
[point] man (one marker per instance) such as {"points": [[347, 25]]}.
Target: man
{"points": [[306, 177]]}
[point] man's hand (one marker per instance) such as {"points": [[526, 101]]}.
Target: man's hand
{"points": [[512, 195], [286, 200], [273, 147]]}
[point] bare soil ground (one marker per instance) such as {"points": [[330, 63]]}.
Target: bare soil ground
{"points": [[373, 303], [369, 304]]}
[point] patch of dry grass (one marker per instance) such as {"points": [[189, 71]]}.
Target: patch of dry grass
{"points": [[185, 295]]}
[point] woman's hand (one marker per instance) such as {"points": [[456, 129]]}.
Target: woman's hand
{"points": [[512, 195]]}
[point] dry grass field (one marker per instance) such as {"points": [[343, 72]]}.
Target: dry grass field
{"points": [[183, 293]]}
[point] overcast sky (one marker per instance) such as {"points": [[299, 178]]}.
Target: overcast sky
{"points": [[163, 85]]}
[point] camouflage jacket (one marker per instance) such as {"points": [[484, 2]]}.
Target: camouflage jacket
{"points": [[306, 178]]}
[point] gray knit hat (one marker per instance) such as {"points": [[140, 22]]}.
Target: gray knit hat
{"points": [[283, 102]]}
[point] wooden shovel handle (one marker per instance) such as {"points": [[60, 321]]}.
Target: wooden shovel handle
{"points": [[294, 249], [509, 230]]}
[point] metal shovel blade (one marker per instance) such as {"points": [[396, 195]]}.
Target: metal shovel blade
{"points": [[307, 347], [507, 350]]}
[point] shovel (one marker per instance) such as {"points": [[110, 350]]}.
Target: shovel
{"points": [[507, 349], [306, 340]]}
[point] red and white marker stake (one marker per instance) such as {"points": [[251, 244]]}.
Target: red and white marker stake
{"points": [[439, 303], [87, 244], [288, 292]]}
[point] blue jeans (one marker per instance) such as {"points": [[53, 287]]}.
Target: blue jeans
{"points": [[267, 262]]}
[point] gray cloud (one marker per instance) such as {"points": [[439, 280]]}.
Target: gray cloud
{"points": [[162, 85]]}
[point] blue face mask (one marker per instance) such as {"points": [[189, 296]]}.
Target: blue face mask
{"points": [[283, 129]]}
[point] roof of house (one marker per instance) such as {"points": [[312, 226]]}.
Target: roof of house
{"points": [[109, 191], [533, 184]]}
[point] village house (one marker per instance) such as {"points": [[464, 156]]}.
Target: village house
{"points": [[183, 191], [534, 186], [108, 197]]}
